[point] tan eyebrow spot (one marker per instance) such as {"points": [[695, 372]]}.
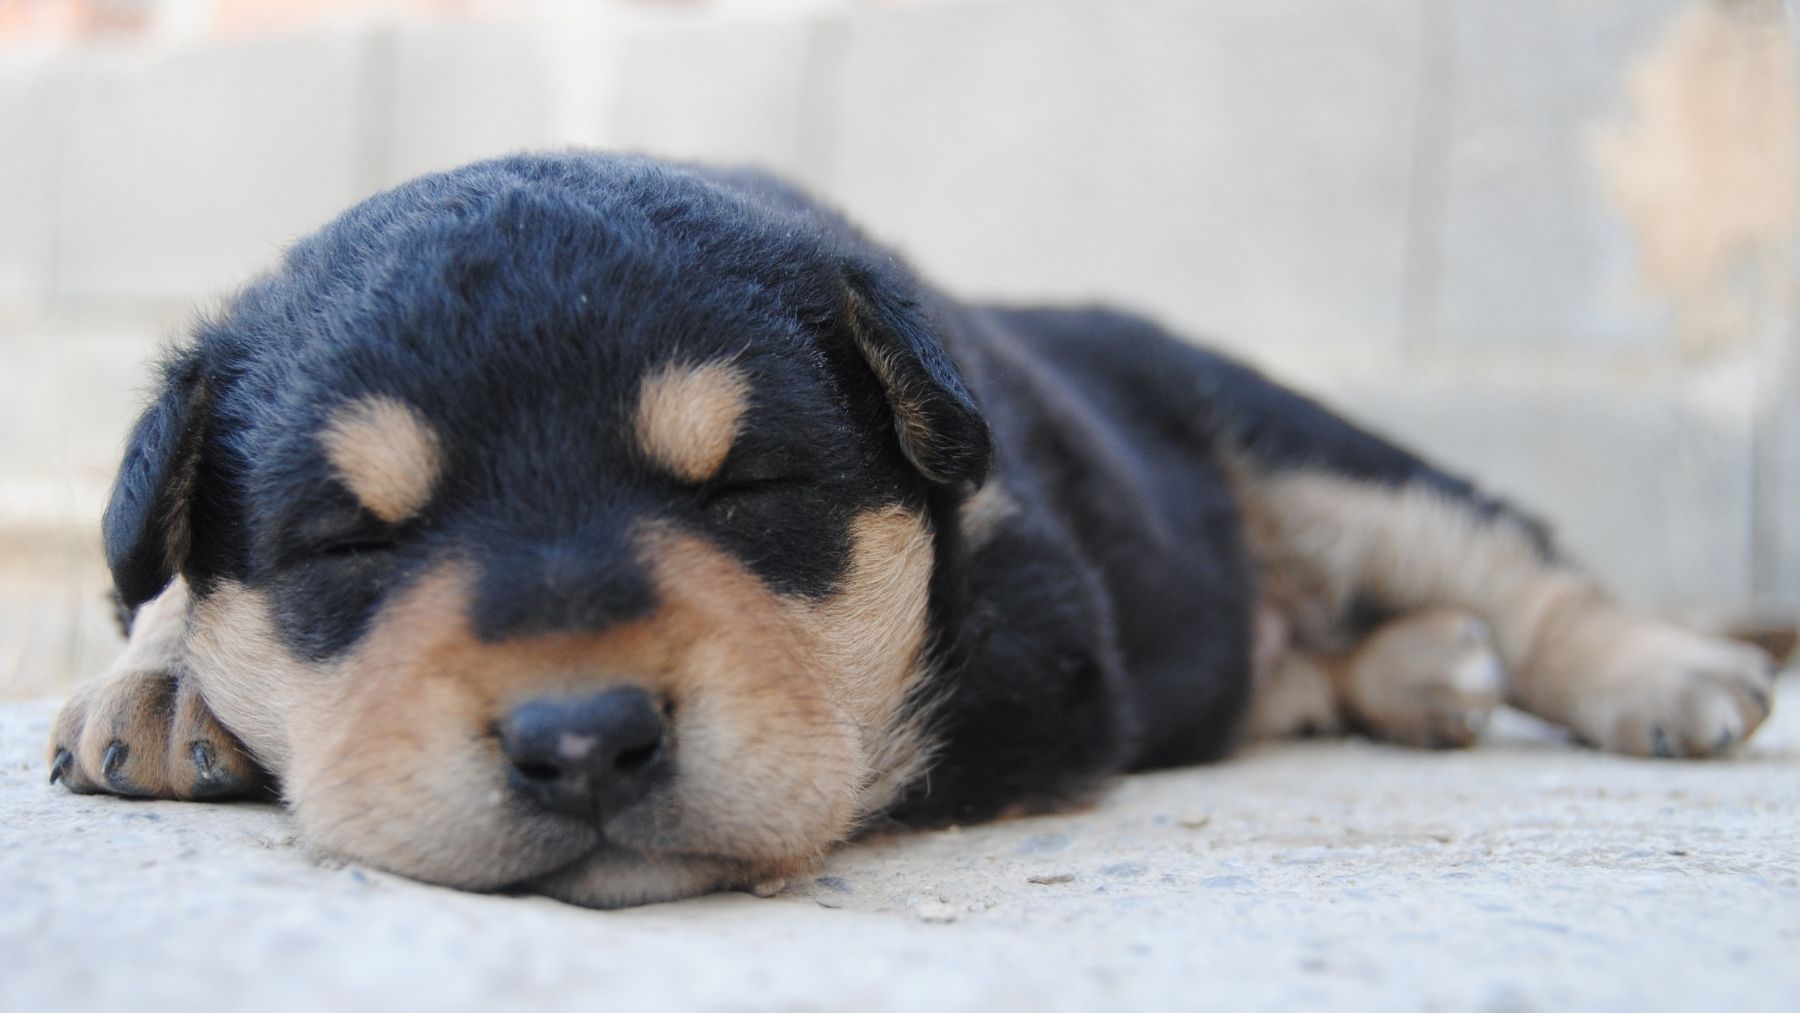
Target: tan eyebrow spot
{"points": [[385, 454], [688, 417]]}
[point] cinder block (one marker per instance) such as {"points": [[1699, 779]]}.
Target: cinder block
{"points": [[1651, 485], [728, 88], [1527, 249], [1778, 488], [66, 402], [184, 172], [32, 109], [1241, 169], [456, 92], [734, 89]]}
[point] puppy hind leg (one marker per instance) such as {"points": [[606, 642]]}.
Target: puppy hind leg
{"points": [[1617, 677]]}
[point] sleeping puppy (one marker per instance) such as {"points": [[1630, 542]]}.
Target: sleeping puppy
{"points": [[621, 531]]}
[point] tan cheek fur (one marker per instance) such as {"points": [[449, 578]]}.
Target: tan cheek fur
{"points": [[871, 637], [792, 719], [688, 417], [385, 454]]}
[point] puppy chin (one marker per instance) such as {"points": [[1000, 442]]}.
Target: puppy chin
{"points": [[615, 878]]}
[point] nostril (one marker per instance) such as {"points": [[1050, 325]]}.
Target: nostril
{"points": [[537, 771], [635, 759], [586, 755]]}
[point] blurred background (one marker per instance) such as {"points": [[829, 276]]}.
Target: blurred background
{"points": [[1551, 242]]}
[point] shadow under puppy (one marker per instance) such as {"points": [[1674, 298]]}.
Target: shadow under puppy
{"points": [[622, 531]]}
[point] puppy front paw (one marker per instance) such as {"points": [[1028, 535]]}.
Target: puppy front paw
{"points": [[1651, 688], [146, 733], [1688, 695]]}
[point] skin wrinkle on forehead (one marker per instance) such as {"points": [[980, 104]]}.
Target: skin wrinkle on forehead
{"points": [[385, 454], [688, 417]]}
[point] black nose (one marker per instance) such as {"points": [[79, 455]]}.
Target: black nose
{"points": [[587, 756]]}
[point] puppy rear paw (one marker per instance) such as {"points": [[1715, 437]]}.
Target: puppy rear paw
{"points": [[1430, 679], [147, 734]]}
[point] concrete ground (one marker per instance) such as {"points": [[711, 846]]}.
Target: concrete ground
{"points": [[1524, 874]]}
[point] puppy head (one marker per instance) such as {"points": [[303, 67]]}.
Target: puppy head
{"points": [[561, 523]]}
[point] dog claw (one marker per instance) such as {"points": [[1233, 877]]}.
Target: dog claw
{"points": [[1659, 742], [205, 769], [1759, 697], [116, 754], [60, 765], [112, 768]]}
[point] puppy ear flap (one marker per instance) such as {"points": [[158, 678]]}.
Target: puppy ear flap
{"points": [[146, 526], [941, 431]]}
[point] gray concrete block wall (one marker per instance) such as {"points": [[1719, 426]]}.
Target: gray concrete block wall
{"points": [[1398, 203], [1239, 169], [1776, 552], [1526, 250], [29, 94], [181, 173], [445, 94], [1653, 488]]}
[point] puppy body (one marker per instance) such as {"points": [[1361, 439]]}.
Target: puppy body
{"points": [[622, 531]]}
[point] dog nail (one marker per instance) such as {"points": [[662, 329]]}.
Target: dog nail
{"points": [[112, 768], [202, 755], [1659, 742], [60, 765]]}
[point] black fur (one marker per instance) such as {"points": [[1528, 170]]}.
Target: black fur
{"points": [[144, 528], [1104, 625]]}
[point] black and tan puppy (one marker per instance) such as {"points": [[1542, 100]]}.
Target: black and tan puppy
{"points": [[622, 531]]}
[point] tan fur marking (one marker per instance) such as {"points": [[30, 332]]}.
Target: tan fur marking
{"points": [[870, 635], [1326, 539], [385, 454], [688, 417], [245, 673], [791, 719]]}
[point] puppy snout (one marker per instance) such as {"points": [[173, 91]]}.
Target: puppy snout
{"points": [[589, 756]]}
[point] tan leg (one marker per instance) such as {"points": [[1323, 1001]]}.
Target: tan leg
{"points": [[1294, 699], [1617, 677], [141, 729], [1429, 679], [1637, 684]]}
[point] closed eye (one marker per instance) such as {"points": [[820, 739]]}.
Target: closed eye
{"points": [[723, 490], [358, 546], [340, 537]]}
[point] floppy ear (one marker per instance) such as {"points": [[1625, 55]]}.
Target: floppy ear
{"points": [[941, 431], [145, 528]]}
